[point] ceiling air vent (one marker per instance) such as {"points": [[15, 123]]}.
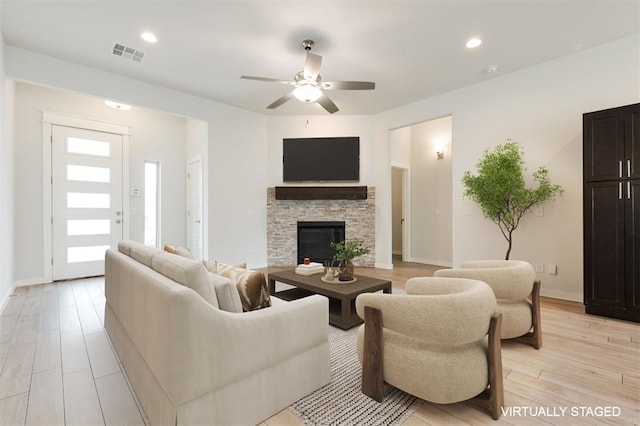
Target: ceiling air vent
{"points": [[127, 52]]}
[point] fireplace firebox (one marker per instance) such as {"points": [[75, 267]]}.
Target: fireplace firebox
{"points": [[315, 238]]}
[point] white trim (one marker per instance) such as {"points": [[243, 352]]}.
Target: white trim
{"points": [[203, 215], [563, 295], [6, 298], [383, 265], [49, 119], [84, 123], [30, 281], [406, 209], [432, 262]]}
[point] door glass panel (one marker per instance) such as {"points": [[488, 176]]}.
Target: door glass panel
{"points": [[88, 200], [88, 147], [88, 227], [85, 254], [88, 173]]}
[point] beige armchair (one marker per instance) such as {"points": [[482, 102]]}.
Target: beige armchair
{"points": [[432, 342], [517, 292]]}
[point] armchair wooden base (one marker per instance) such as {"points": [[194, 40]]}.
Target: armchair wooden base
{"points": [[534, 337], [374, 386]]}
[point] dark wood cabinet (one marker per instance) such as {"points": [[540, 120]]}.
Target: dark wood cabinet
{"points": [[612, 212]]}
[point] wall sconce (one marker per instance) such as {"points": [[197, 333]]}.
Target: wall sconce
{"points": [[440, 154]]}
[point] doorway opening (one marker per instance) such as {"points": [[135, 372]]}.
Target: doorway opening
{"points": [[421, 192]]}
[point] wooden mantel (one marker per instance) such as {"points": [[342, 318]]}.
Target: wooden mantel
{"points": [[321, 192]]}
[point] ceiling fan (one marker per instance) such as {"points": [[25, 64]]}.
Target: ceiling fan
{"points": [[308, 85]]}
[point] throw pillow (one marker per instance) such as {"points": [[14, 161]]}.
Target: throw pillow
{"points": [[226, 292], [169, 249], [216, 267], [181, 251], [252, 287]]}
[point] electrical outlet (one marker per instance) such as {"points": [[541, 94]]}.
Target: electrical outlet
{"points": [[553, 269]]}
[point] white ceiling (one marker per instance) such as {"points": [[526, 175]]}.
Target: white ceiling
{"points": [[411, 49]]}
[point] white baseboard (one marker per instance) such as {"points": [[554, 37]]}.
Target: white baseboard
{"points": [[383, 265], [564, 295], [5, 299], [432, 262], [31, 281]]}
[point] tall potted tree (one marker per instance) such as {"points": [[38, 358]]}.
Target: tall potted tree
{"points": [[499, 188]]}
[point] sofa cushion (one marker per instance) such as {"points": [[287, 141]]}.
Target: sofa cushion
{"points": [[226, 293], [143, 254], [251, 285], [187, 272], [124, 246]]}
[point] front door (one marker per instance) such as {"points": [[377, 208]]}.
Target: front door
{"points": [[86, 200]]}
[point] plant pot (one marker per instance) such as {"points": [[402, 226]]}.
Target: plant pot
{"points": [[346, 271]]}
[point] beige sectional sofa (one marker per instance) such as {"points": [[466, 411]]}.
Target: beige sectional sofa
{"points": [[190, 360]]}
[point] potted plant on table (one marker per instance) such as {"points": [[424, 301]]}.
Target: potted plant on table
{"points": [[346, 251]]}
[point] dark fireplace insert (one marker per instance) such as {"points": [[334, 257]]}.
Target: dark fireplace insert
{"points": [[315, 238]]}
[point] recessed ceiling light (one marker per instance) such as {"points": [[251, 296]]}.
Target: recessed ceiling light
{"points": [[149, 37], [473, 43], [116, 105], [492, 68]]}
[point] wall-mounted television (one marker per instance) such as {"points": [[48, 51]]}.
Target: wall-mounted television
{"points": [[321, 159]]}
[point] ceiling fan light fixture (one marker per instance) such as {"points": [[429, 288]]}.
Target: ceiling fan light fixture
{"points": [[307, 93]]}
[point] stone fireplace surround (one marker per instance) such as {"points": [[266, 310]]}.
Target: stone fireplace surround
{"points": [[283, 217]]}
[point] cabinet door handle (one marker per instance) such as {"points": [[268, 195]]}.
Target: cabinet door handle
{"points": [[619, 190], [620, 168], [628, 190], [628, 168]]}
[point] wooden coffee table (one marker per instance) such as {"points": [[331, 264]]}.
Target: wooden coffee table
{"points": [[342, 297]]}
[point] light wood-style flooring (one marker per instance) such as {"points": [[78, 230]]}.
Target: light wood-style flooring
{"points": [[57, 365]]}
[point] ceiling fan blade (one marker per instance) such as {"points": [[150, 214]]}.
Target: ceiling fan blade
{"points": [[268, 80], [312, 66], [348, 85], [275, 104], [327, 104]]}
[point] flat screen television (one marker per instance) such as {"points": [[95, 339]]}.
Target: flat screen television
{"points": [[321, 159]]}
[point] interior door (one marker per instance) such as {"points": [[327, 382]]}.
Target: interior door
{"points": [[87, 211], [194, 208]]}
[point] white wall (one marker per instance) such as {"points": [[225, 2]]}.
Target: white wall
{"points": [[154, 136], [431, 199], [541, 107], [7, 146], [237, 146], [281, 127]]}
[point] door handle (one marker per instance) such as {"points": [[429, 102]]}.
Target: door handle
{"points": [[628, 190], [118, 213], [118, 221], [628, 168], [619, 190], [196, 221], [620, 168]]}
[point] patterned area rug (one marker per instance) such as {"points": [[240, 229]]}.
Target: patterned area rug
{"points": [[341, 402]]}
